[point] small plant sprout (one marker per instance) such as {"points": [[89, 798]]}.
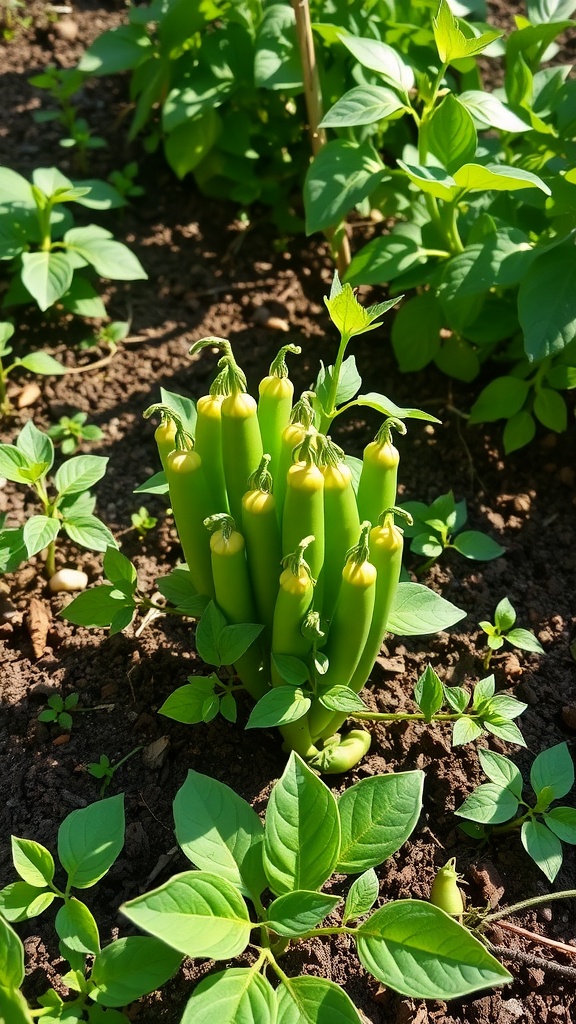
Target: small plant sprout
{"points": [[65, 499], [60, 710], [501, 630], [71, 431], [35, 362], [143, 522], [109, 336], [497, 808], [438, 527], [104, 768], [124, 181]]}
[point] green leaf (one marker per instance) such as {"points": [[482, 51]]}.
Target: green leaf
{"points": [[543, 846], [155, 484], [118, 49], [208, 632], [77, 928], [177, 588], [451, 134], [362, 895], [389, 408], [90, 839], [11, 957], [518, 431], [308, 1000], [109, 258], [216, 829], [419, 951], [384, 259], [279, 706], [14, 464], [500, 399], [39, 532], [429, 693], [497, 177], [563, 378], [525, 640], [342, 174], [36, 445], [129, 968], [195, 912], [297, 912], [46, 275], [33, 862], [117, 567], [416, 610], [364, 104], [291, 670], [416, 328], [553, 768], [504, 729], [489, 804], [276, 60], [465, 730], [489, 112], [342, 698], [505, 615], [187, 144], [502, 259], [42, 363], [385, 60], [90, 532], [550, 408], [302, 831], [484, 689], [435, 181], [562, 822], [79, 474], [19, 901], [457, 698], [427, 544], [189, 703], [350, 316], [184, 407], [478, 546], [95, 608], [377, 815], [547, 303], [502, 771], [231, 996], [235, 640]]}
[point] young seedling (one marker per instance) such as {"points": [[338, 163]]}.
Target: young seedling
{"points": [[308, 835], [109, 336], [143, 522], [104, 769], [71, 431], [124, 181], [65, 499], [89, 841], [60, 710], [34, 362], [62, 84], [501, 630], [497, 807], [438, 527]]}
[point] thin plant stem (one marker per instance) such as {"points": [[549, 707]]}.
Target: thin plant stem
{"points": [[534, 901]]}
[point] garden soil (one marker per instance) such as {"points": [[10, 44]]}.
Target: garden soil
{"points": [[210, 274]]}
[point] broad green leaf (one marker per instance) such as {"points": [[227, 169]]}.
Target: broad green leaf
{"points": [[500, 399], [82, 299], [237, 995], [189, 703], [155, 484], [476, 545], [497, 177], [364, 104], [547, 303], [429, 693], [427, 544], [490, 804], [384, 259], [489, 112], [465, 730], [302, 831], [14, 188], [14, 464], [46, 275], [362, 895], [416, 329], [187, 144], [217, 830], [435, 181], [417, 610], [297, 912], [33, 862], [119, 49], [235, 640], [14, 1008], [195, 912], [505, 705], [553, 768], [208, 633], [42, 363], [562, 822], [502, 259], [351, 319], [457, 698], [550, 408], [277, 62], [377, 815], [342, 698], [543, 846], [20, 900], [77, 928], [451, 134], [308, 1000], [389, 408], [109, 258], [385, 60], [90, 839], [79, 474], [451, 42], [39, 532], [518, 431], [129, 968], [117, 567], [505, 615], [90, 532], [503, 728], [419, 951], [291, 670], [502, 771], [177, 587], [191, 99], [525, 640], [11, 957], [280, 706], [182, 405], [36, 445], [340, 176], [562, 377], [95, 608]]}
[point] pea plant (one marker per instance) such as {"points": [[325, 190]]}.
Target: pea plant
{"points": [[497, 807], [502, 630], [297, 567], [49, 260], [60, 710], [308, 834], [104, 769], [35, 362], [439, 527], [89, 842], [71, 431], [481, 188], [65, 500]]}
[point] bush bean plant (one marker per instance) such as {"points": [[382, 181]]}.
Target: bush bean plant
{"points": [[438, 527], [502, 630]]}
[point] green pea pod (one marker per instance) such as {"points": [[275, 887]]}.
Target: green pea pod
{"points": [[165, 437], [341, 522], [349, 628], [301, 422], [263, 543], [342, 754], [379, 477], [208, 444], [190, 503], [276, 392], [304, 506], [445, 892], [241, 446]]}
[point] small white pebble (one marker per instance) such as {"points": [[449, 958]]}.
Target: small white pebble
{"points": [[68, 580]]}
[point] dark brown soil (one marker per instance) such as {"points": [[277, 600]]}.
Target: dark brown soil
{"points": [[209, 276]]}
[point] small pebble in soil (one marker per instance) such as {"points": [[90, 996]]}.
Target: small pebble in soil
{"points": [[569, 716], [68, 580]]}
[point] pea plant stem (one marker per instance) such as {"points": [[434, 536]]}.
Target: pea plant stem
{"points": [[326, 421], [533, 901], [376, 716]]}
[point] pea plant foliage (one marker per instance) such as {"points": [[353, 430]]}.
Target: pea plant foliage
{"points": [[282, 868]]}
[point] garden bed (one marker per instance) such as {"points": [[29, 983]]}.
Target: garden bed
{"points": [[210, 275]]}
